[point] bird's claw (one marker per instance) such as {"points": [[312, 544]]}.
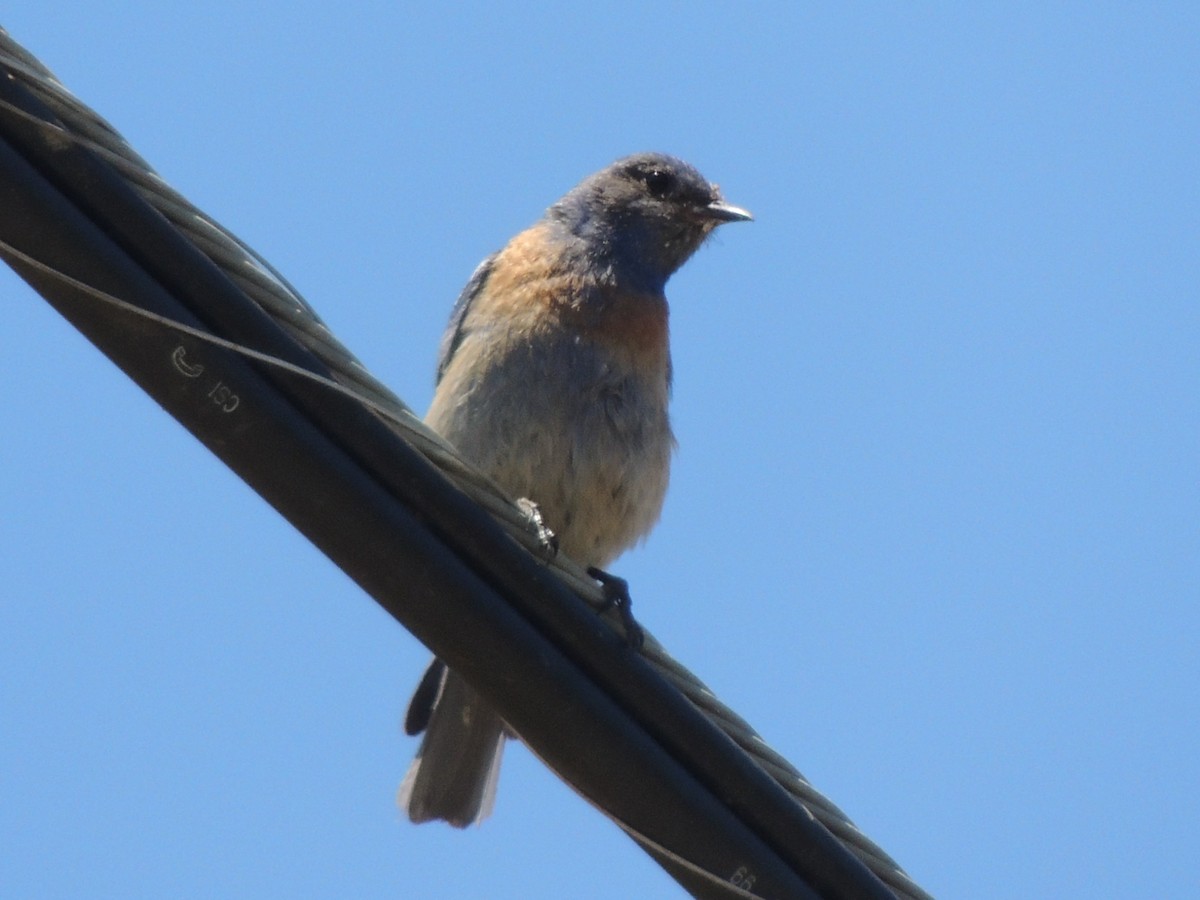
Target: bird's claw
{"points": [[616, 594], [547, 540]]}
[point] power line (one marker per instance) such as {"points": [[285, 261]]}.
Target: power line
{"points": [[91, 221]]}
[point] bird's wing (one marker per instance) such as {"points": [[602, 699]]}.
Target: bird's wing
{"points": [[458, 316]]}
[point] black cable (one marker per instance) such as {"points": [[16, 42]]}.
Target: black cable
{"points": [[425, 552]]}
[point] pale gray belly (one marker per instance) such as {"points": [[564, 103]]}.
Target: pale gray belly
{"points": [[565, 427]]}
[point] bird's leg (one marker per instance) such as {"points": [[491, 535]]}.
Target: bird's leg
{"points": [[546, 538], [616, 594]]}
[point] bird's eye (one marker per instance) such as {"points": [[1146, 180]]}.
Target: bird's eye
{"points": [[659, 183]]}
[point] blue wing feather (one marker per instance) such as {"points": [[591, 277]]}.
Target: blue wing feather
{"points": [[462, 306]]}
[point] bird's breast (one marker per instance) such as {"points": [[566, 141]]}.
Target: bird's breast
{"points": [[539, 284], [558, 389]]}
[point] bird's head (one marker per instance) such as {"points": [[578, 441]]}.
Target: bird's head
{"points": [[643, 216]]}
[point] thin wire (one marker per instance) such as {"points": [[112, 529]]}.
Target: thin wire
{"points": [[272, 292], [693, 867], [267, 359]]}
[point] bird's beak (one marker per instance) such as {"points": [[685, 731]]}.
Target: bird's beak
{"points": [[721, 211]]}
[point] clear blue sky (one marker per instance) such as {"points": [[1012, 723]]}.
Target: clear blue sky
{"points": [[934, 524]]}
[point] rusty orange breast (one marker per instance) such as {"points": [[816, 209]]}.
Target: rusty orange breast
{"points": [[533, 284]]}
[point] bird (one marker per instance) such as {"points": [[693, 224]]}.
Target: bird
{"points": [[553, 377]]}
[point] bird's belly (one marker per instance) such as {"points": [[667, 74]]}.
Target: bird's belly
{"points": [[590, 444]]}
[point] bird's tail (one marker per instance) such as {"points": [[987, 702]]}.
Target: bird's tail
{"points": [[458, 764]]}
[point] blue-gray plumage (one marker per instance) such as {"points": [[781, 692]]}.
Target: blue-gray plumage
{"points": [[553, 378]]}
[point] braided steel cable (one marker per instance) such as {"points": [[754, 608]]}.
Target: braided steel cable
{"points": [[271, 291]]}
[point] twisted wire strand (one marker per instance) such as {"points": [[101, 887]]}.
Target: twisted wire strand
{"points": [[272, 292]]}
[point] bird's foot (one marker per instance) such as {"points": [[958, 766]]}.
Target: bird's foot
{"points": [[546, 538], [616, 594]]}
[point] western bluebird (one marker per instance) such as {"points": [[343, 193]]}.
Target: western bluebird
{"points": [[553, 378]]}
